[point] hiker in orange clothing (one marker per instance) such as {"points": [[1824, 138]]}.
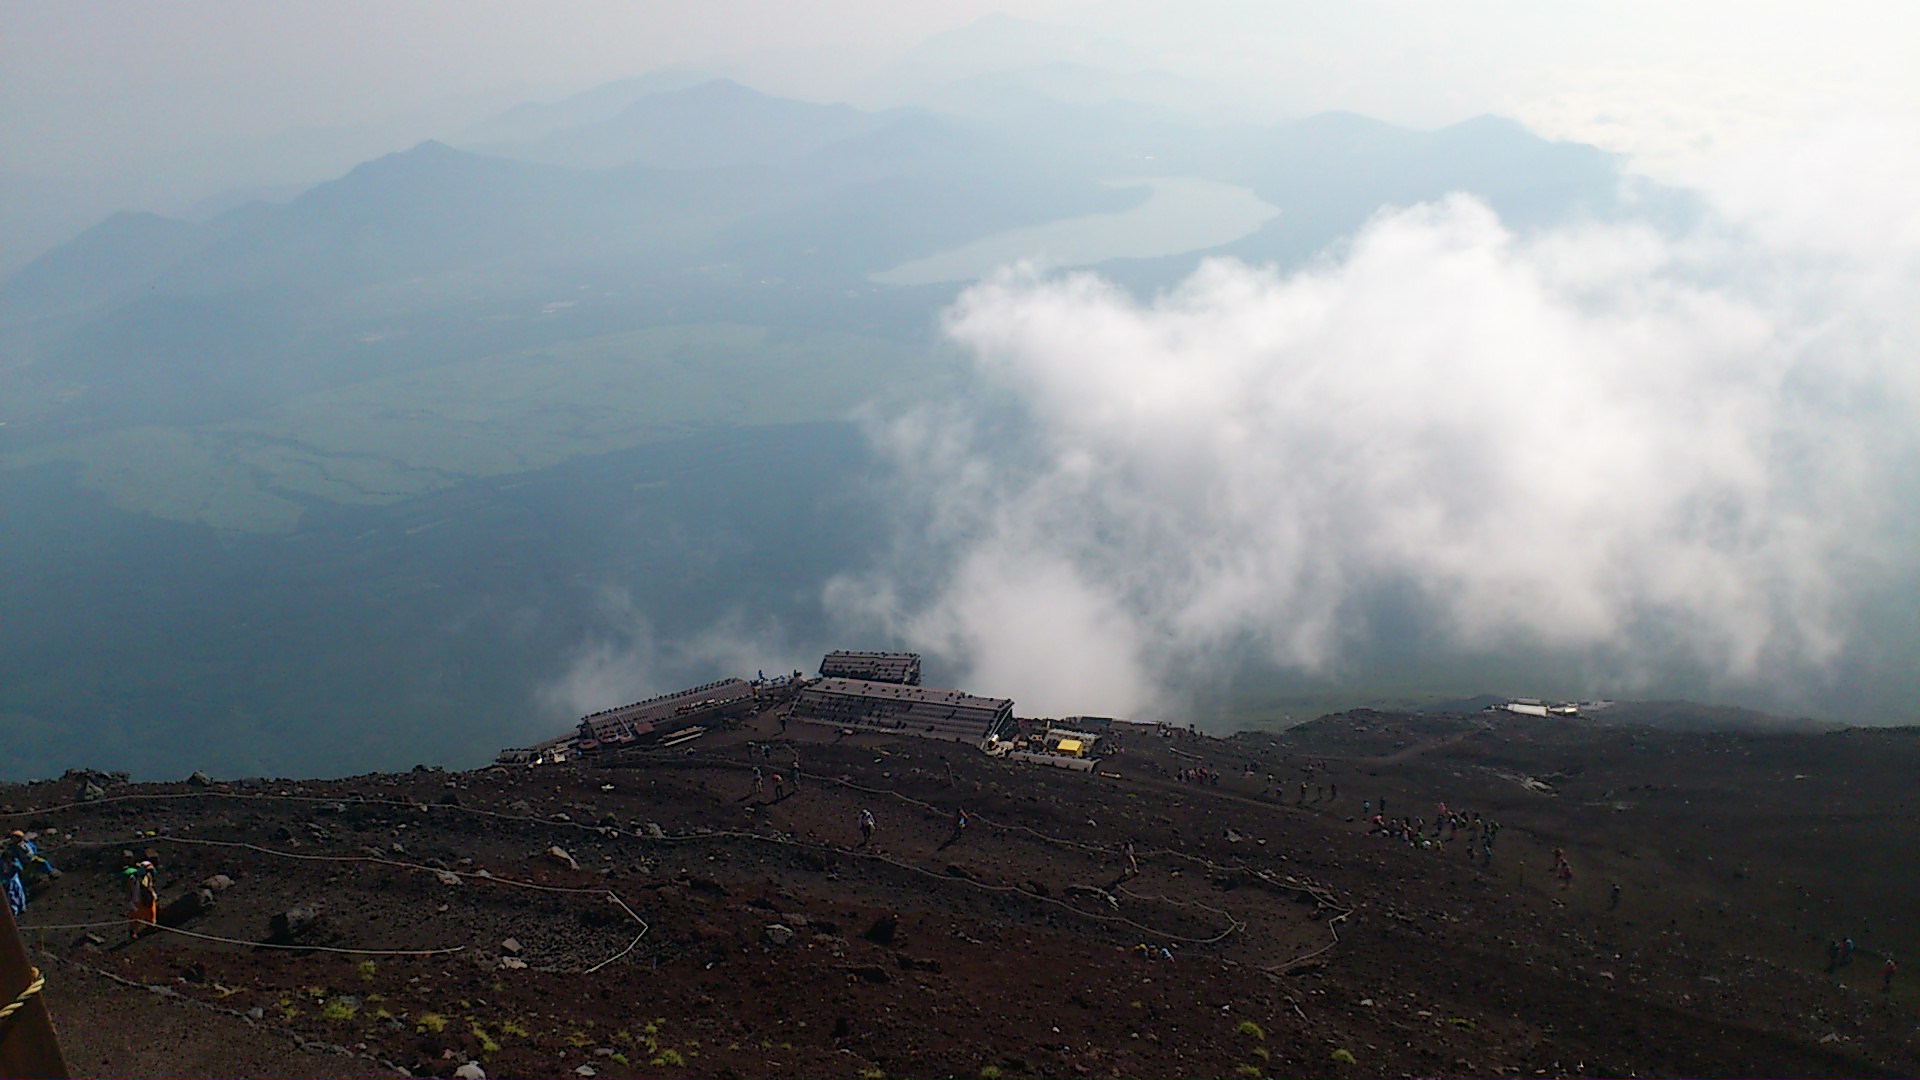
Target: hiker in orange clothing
{"points": [[143, 911]]}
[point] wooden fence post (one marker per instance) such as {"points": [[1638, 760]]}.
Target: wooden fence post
{"points": [[28, 1046]]}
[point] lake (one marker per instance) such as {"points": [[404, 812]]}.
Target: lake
{"points": [[1183, 214]]}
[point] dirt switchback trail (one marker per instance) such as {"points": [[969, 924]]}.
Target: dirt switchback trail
{"points": [[664, 918]]}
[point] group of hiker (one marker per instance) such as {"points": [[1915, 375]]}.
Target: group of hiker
{"points": [[1840, 954], [760, 778], [1479, 831], [20, 859]]}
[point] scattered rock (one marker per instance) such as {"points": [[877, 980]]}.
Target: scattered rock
{"points": [[870, 973], [447, 877], [559, 854], [92, 791], [296, 923], [510, 946], [1233, 836], [586, 1070], [218, 883], [883, 930], [199, 779], [603, 1051], [512, 963], [655, 831], [256, 1013], [1094, 892], [777, 934], [187, 907], [470, 1071], [520, 806]]}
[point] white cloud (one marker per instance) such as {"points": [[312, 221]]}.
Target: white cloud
{"points": [[1597, 440], [628, 660]]}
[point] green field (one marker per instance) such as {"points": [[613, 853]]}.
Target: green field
{"points": [[388, 439]]}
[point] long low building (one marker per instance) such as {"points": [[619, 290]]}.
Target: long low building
{"points": [[890, 667], [865, 705], [630, 722]]}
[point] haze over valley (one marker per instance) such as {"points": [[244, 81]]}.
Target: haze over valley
{"points": [[1111, 383]]}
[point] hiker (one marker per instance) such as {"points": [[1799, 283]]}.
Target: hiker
{"points": [[143, 910], [1366, 807], [1566, 874], [866, 827], [779, 787], [1333, 792], [1133, 865], [11, 879], [1833, 955], [759, 781], [1886, 976], [1613, 896], [959, 825], [31, 861], [1846, 952]]}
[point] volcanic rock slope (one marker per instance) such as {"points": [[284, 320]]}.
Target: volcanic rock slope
{"points": [[659, 917]]}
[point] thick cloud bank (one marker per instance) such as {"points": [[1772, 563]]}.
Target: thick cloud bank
{"points": [[1597, 440]]}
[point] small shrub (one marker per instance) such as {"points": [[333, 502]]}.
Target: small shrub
{"points": [[620, 1059], [1251, 1071], [365, 968], [1462, 1022], [578, 1039], [340, 1010], [1262, 1053], [871, 1073], [1344, 1057], [431, 1021], [991, 1072], [668, 1057], [1251, 1030], [487, 1044], [509, 1028]]}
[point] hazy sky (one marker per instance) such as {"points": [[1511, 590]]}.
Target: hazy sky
{"points": [[89, 86]]}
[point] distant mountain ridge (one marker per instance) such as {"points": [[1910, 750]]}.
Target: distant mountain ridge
{"points": [[713, 124]]}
